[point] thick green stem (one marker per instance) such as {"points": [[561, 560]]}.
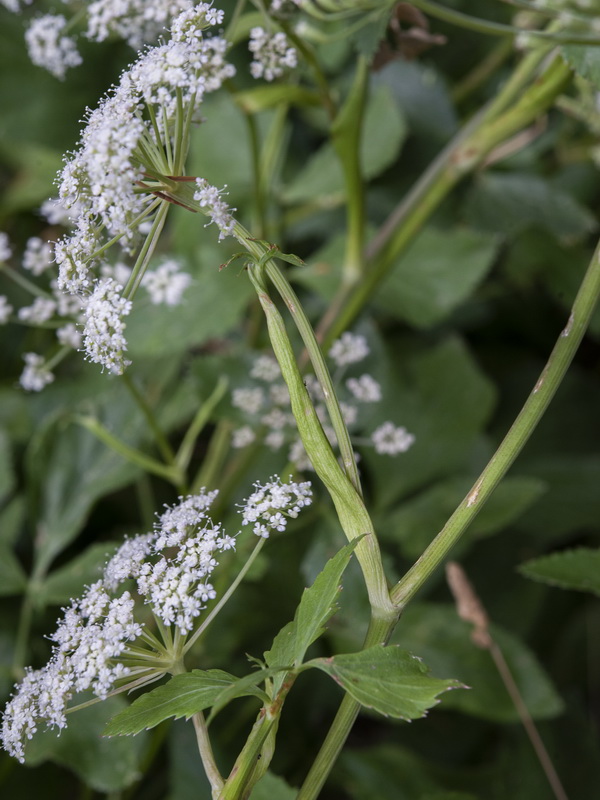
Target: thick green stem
{"points": [[353, 516], [321, 370], [504, 117], [159, 437], [346, 136], [514, 441]]}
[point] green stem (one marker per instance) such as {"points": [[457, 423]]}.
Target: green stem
{"points": [[159, 437], [184, 454], [514, 441], [147, 251], [321, 370], [353, 516], [239, 578], [210, 473], [379, 632], [206, 754], [471, 146], [346, 136], [168, 472], [499, 28]]}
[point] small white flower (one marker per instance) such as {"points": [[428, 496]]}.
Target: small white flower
{"points": [[365, 389], [55, 213], [265, 368], [270, 506], [166, 284], [38, 255], [390, 440], [272, 54], [209, 197], [5, 248], [349, 349], [279, 394], [275, 439], [39, 312], [349, 413], [5, 309], [250, 400], [242, 437], [103, 340], [35, 376], [69, 336], [48, 48], [119, 272]]}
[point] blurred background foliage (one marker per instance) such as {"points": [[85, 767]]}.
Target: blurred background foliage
{"points": [[459, 332]]}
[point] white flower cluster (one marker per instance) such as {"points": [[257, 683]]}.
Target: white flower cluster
{"points": [[35, 376], [99, 184], [93, 633], [169, 569], [350, 348], [209, 197], [98, 317], [135, 21], [167, 283], [268, 407], [273, 503], [49, 48], [272, 54], [103, 337]]}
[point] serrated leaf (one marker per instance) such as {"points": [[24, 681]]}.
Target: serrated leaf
{"points": [[444, 641], [317, 604], [389, 680], [183, 696], [570, 569], [585, 61], [316, 607], [439, 271], [244, 687]]}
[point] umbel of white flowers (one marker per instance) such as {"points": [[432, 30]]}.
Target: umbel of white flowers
{"points": [[168, 570], [125, 140]]}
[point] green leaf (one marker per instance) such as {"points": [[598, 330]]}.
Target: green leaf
{"points": [[106, 765], [7, 476], [272, 787], [262, 97], [439, 271], [585, 61], [244, 687], [13, 579], [74, 470], [367, 38], [512, 202], [444, 641], [442, 397], [210, 308], [11, 520], [67, 582], [389, 680], [570, 569], [183, 696], [318, 604], [316, 607], [384, 132]]}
